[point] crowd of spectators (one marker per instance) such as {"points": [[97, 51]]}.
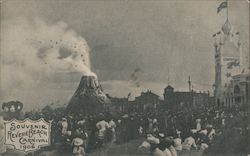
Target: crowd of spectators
{"points": [[163, 130]]}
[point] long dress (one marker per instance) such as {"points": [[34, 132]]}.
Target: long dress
{"points": [[167, 152], [158, 152]]}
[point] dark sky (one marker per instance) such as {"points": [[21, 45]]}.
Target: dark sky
{"points": [[166, 40]]}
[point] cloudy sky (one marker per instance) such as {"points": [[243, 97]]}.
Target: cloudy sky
{"points": [[164, 41]]}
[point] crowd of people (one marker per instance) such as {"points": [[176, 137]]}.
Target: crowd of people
{"points": [[165, 133], [182, 130]]}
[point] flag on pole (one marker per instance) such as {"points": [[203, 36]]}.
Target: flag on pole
{"points": [[222, 6], [243, 70]]}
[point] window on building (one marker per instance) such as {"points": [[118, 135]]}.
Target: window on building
{"points": [[236, 89]]}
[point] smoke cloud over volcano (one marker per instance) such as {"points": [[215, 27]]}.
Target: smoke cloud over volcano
{"points": [[34, 50], [53, 44]]}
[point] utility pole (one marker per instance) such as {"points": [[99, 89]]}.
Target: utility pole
{"points": [[190, 87], [189, 83]]}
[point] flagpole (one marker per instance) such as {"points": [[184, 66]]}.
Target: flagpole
{"points": [[227, 9]]}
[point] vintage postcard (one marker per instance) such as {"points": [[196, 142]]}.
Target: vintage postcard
{"points": [[124, 78]]}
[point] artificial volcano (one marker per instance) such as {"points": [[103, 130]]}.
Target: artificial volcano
{"points": [[88, 98]]}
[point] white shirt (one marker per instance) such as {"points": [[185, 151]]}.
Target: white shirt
{"points": [[112, 125], [204, 131], [203, 146], [223, 122], [64, 127], [145, 145], [188, 143], [102, 126], [167, 152], [177, 144], [198, 124], [140, 130]]}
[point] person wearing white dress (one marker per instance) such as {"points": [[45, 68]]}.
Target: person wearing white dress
{"points": [[198, 124], [64, 126], [151, 143], [188, 143], [178, 142], [112, 127]]}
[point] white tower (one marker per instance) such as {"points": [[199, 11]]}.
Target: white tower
{"points": [[227, 60]]}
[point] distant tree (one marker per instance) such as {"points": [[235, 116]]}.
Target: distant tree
{"points": [[47, 109]]}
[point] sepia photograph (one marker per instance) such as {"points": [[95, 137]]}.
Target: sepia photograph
{"points": [[124, 78]]}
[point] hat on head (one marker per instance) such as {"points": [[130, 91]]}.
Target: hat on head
{"points": [[153, 140], [64, 119], [77, 142], [161, 135]]}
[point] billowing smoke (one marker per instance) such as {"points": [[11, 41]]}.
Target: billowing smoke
{"points": [[34, 49], [55, 45]]}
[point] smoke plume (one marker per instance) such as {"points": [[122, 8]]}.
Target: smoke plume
{"points": [[33, 50]]}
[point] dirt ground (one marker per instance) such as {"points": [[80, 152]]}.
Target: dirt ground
{"points": [[131, 149], [127, 149]]}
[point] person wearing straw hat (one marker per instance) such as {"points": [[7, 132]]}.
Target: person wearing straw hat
{"points": [[78, 150]]}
